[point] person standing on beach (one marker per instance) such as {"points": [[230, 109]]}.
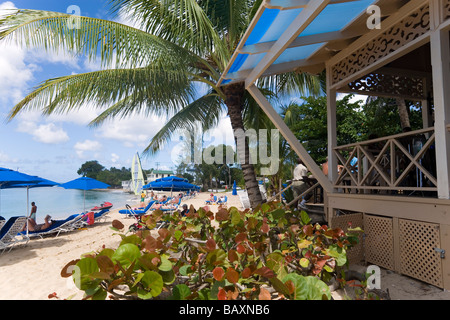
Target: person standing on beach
{"points": [[32, 217], [143, 195]]}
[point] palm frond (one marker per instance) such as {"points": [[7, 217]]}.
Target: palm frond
{"points": [[206, 110], [115, 44], [181, 21], [152, 89]]}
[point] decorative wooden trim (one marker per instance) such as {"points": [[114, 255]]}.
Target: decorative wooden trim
{"points": [[405, 31], [389, 85]]}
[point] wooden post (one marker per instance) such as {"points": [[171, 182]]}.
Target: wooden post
{"points": [[290, 137], [440, 59]]}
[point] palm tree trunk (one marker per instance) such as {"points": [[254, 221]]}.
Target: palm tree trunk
{"points": [[234, 94], [404, 114]]}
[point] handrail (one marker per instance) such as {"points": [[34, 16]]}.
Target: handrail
{"points": [[394, 163]]}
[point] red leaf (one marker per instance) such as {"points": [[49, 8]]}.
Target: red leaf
{"points": [[241, 237], [218, 273], [290, 286], [265, 272], [240, 248], [222, 294], [308, 230], [318, 266], [222, 215], [232, 256], [265, 227], [264, 294], [232, 275], [210, 244], [246, 273]]}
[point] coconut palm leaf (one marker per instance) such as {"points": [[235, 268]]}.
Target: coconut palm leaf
{"points": [[153, 91], [114, 44], [205, 111]]}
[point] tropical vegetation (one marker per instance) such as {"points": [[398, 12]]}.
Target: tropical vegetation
{"points": [[268, 253]]}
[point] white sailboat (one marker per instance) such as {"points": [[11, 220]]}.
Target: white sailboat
{"points": [[137, 175]]}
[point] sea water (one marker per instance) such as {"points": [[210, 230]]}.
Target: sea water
{"points": [[58, 202]]}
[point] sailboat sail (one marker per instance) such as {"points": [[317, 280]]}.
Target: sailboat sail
{"points": [[137, 176]]}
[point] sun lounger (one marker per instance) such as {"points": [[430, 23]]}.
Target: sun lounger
{"points": [[2, 223], [71, 223], [9, 233], [211, 202], [224, 202], [133, 212]]}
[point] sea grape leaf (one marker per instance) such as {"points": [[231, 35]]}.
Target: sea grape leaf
{"points": [[126, 254]]}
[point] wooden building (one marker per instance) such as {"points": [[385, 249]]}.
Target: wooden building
{"points": [[398, 190]]}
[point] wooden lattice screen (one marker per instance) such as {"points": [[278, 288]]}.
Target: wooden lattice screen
{"points": [[418, 257], [379, 241]]}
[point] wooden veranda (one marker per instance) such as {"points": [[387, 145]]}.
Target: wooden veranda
{"points": [[398, 190]]}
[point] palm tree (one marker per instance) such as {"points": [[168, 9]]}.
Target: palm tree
{"points": [[153, 66]]}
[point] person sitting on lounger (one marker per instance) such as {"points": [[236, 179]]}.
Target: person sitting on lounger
{"points": [[42, 226]]}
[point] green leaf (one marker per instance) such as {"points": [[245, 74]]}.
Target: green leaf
{"points": [[216, 257], [152, 281], [165, 265], [278, 214], [235, 216], [134, 239], [276, 262], [82, 275], [185, 270], [126, 254], [308, 288], [304, 217], [178, 235], [181, 291], [339, 254]]}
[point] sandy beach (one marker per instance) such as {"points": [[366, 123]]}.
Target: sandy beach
{"points": [[32, 272]]}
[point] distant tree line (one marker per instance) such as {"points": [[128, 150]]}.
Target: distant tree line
{"points": [[111, 176]]}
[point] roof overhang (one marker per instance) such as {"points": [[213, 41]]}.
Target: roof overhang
{"points": [[299, 35]]}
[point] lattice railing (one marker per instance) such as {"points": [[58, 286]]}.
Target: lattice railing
{"points": [[403, 162]]}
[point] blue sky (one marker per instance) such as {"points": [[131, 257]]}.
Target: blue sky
{"points": [[55, 147]]}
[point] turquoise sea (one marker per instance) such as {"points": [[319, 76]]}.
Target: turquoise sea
{"points": [[59, 202]]}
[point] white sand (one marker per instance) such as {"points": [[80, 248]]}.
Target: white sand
{"points": [[32, 272]]}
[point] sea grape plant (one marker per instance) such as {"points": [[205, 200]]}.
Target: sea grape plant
{"points": [[268, 253]]}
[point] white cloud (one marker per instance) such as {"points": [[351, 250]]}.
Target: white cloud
{"points": [[133, 131], [86, 145], [15, 73], [114, 158], [45, 133]]}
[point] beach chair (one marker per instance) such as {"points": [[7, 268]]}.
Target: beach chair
{"points": [[224, 202], [211, 202], [9, 234], [173, 208], [2, 223], [71, 223], [134, 212], [101, 215]]}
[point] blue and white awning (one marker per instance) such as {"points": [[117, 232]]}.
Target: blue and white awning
{"points": [[286, 35]]}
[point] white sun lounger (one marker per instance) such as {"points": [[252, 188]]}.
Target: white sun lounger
{"points": [[9, 234]]}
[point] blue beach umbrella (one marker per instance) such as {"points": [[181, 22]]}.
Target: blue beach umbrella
{"points": [[171, 184], [84, 183], [13, 179], [234, 193]]}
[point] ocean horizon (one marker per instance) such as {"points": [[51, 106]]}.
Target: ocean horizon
{"points": [[58, 202]]}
